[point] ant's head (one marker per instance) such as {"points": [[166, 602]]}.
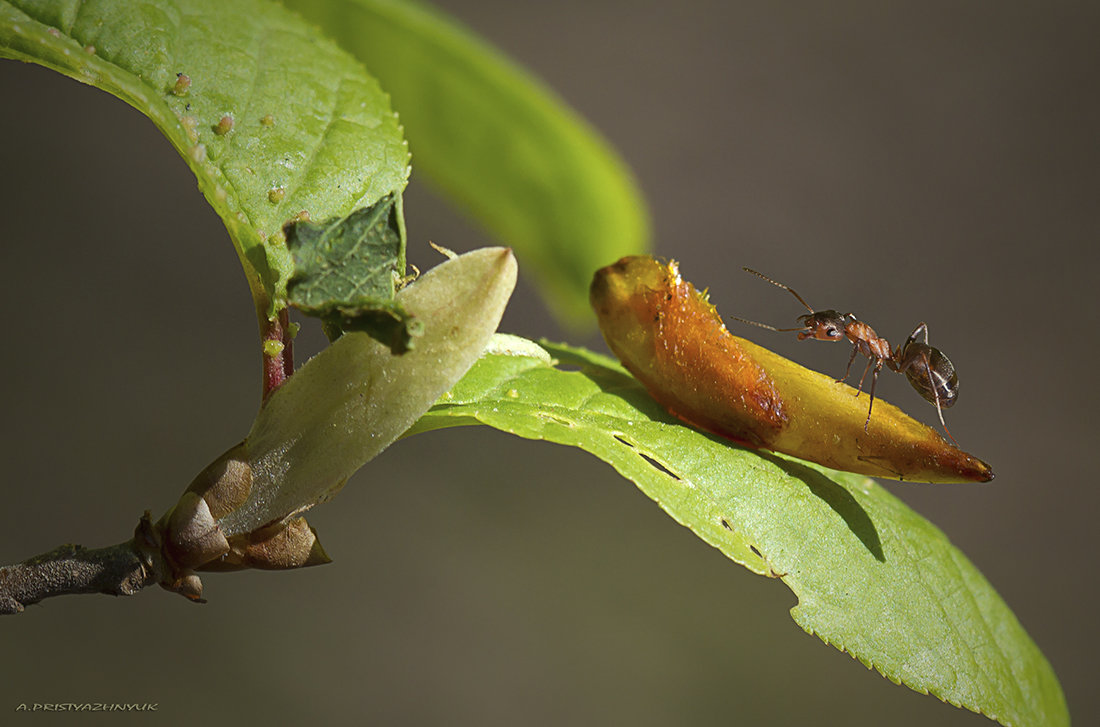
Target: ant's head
{"points": [[824, 325]]}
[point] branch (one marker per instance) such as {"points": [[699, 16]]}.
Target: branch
{"points": [[278, 352], [70, 569], [169, 551], [119, 570]]}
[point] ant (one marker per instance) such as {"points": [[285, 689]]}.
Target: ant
{"points": [[928, 370]]}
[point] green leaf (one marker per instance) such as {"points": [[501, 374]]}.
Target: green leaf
{"points": [[347, 269], [873, 578], [353, 399], [497, 142], [272, 117]]}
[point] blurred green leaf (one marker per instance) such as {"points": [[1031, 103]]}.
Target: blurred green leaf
{"points": [[272, 117], [873, 578], [497, 142]]}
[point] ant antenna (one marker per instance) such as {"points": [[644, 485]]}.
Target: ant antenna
{"points": [[765, 325], [784, 287]]}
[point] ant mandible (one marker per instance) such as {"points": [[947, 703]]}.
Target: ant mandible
{"points": [[928, 370]]}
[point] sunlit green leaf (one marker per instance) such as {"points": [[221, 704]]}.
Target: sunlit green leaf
{"points": [[272, 117], [873, 578]]}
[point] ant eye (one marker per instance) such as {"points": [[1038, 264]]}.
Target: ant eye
{"points": [[834, 333]]}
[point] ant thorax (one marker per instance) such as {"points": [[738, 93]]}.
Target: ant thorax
{"points": [[867, 341]]}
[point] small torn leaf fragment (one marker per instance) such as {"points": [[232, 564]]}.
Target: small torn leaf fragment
{"points": [[671, 338], [347, 270]]}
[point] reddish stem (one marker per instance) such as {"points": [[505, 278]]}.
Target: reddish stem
{"points": [[278, 368]]}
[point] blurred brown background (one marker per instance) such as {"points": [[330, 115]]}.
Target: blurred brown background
{"points": [[934, 162]]}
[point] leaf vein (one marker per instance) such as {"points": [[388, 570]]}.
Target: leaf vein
{"points": [[307, 169]]}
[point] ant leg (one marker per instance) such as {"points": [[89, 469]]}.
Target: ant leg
{"points": [[921, 329], [943, 423], [936, 395], [848, 370], [859, 389], [874, 380]]}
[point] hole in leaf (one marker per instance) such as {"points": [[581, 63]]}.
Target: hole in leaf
{"points": [[656, 465], [727, 526], [755, 551]]}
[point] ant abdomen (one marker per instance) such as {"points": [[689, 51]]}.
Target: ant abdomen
{"points": [[929, 371]]}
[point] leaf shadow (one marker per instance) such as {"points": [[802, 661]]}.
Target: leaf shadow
{"points": [[838, 498]]}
